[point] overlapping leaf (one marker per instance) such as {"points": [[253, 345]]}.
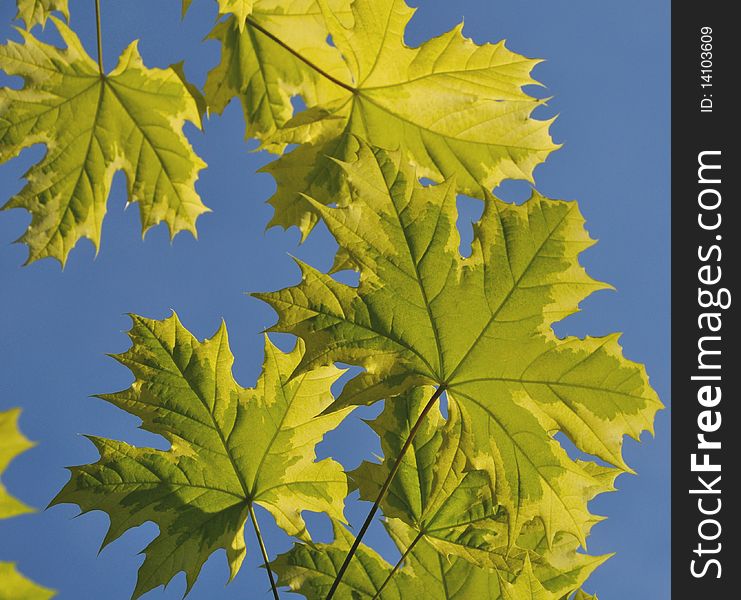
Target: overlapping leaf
{"points": [[92, 126], [479, 326], [231, 448], [435, 491], [268, 58], [455, 108], [36, 12], [241, 9], [13, 585], [450, 506], [310, 571]]}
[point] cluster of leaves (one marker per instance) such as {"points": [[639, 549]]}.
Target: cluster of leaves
{"points": [[13, 585], [483, 502]]}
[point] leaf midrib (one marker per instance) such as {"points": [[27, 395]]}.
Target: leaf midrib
{"points": [[361, 91], [278, 426], [204, 403], [515, 286]]}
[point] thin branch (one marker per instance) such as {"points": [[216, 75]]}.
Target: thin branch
{"points": [[255, 25], [100, 38], [397, 565], [384, 488], [264, 551]]}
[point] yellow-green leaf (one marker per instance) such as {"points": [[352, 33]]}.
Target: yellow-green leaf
{"points": [[435, 491], [478, 326], [231, 448], [455, 109], [310, 570], [36, 12], [14, 586], [92, 126], [449, 505], [525, 587], [267, 62], [12, 443], [239, 8], [582, 595]]}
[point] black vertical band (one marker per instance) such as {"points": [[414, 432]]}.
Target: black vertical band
{"points": [[706, 266]]}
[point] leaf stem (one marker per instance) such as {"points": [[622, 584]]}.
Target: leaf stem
{"points": [[398, 564], [255, 25], [100, 38], [264, 552], [384, 488]]}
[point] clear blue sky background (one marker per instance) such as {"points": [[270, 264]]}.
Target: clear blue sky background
{"points": [[608, 72]]}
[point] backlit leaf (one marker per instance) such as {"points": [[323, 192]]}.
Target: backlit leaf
{"points": [[36, 12], [13, 585], [310, 571], [455, 109], [92, 126], [269, 60], [231, 447], [435, 492], [12, 443], [479, 326]]}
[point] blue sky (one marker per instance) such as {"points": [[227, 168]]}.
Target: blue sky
{"points": [[607, 68]]}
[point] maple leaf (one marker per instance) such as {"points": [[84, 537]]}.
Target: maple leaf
{"points": [[310, 571], [239, 8], [435, 491], [525, 587], [268, 58], [92, 126], [450, 506], [13, 585], [456, 110], [231, 448], [477, 327], [36, 12]]}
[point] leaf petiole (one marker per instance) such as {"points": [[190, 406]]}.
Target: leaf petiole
{"points": [[384, 488], [397, 565], [100, 38], [264, 552]]}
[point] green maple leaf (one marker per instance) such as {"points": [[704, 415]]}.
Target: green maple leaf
{"points": [[266, 59], [231, 448], [36, 12], [480, 327], [310, 571], [13, 585], [525, 587], [435, 491], [92, 126], [456, 110], [450, 505]]}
